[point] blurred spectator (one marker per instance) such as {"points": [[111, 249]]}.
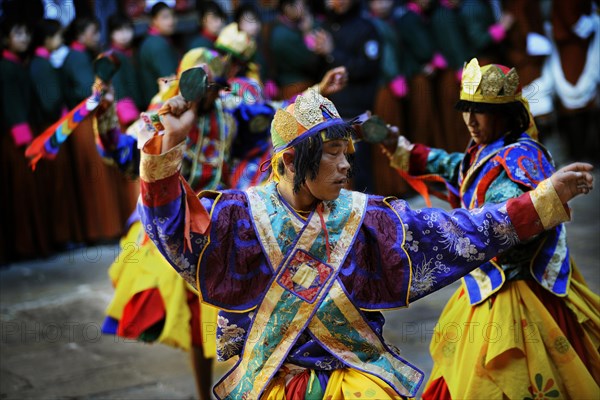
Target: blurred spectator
{"points": [[450, 39], [22, 232], [102, 212], [293, 63], [249, 20], [32, 11], [157, 57], [575, 67], [83, 37], [48, 94], [391, 93], [527, 50], [211, 18], [267, 9], [16, 86], [102, 11], [125, 81], [484, 32], [55, 177], [350, 40], [528, 27], [421, 61], [64, 11]]}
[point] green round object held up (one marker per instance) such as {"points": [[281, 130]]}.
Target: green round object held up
{"points": [[374, 130], [193, 84]]}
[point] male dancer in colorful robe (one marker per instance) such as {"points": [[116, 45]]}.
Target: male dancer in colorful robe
{"points": [[306, 265]]}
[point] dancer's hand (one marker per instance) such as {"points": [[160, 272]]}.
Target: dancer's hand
{"points": [[105, 92], [573, 180], [405, 144], [334, 80], [178, 117]]}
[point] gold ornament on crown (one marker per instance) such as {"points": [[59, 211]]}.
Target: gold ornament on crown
{"points": [[492, 81], [511, 83], [309, 109], [471, 77], [285, 125], [488, 82]]}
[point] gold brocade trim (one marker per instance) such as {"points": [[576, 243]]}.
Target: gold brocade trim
{"points": [[154, 167], [548, 205], [373, 346], [401, 159], [277, 297], [484, 283], [387, 201]]}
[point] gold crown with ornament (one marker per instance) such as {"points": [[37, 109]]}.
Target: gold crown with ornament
{"points": [[236, 42], [310, 114], [492, 83]]}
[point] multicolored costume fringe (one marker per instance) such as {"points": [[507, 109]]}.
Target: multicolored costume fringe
{"points": [[48, 143]]}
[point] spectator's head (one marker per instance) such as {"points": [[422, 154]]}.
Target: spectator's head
{"points": [[450, 3], [163, 19], [120, 30], [341, 7], [48, 33], [85, 30], [248, 19], [424, 4], [212, 17], [381, 8], [16, 36], [293, 9], [492, 103]]}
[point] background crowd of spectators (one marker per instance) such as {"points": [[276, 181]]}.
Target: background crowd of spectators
{"points": [[404, 62]]}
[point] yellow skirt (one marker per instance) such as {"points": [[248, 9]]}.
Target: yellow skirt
{"points": [[345, 383], [511, 346], [140, 267]]}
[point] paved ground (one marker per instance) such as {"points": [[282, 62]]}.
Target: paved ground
{"points": [[51, 312]]}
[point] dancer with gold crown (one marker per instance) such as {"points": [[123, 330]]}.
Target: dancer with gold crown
{"points": [[151, 302], [524, 324], [301, 267]]}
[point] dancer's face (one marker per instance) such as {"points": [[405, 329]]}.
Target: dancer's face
{"points": [[484, 127], [333, 171]]}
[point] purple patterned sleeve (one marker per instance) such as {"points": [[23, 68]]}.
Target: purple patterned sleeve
{"points": [[169, 210], [164, 225], [444, 246]]}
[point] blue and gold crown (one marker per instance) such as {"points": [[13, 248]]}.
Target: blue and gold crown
{"points": [[308, 115]]}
